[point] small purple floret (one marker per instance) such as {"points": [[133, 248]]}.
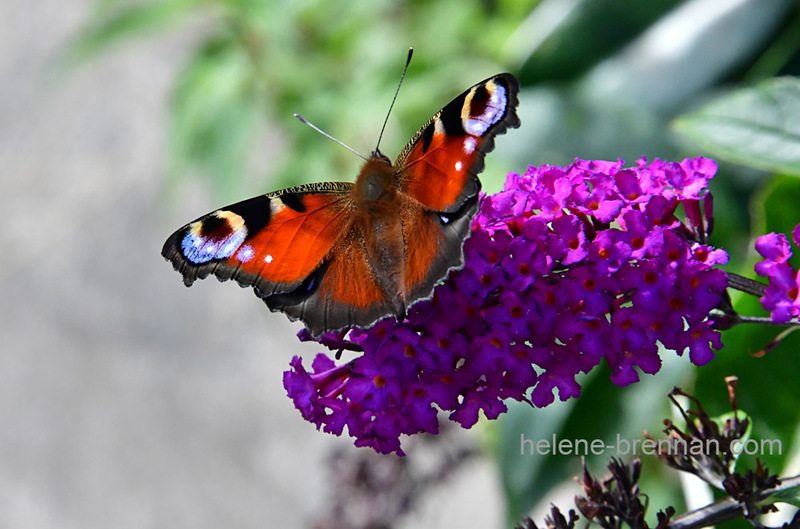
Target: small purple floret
{"points": [[780, 297]]}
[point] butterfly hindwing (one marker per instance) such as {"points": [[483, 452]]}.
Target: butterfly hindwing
{"points": [[345, 291]]}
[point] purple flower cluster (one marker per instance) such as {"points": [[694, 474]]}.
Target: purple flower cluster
{"points": [[780, 297], [565, 267]]}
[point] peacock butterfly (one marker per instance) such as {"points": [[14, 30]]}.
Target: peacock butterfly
{"points": [[340, 254]]}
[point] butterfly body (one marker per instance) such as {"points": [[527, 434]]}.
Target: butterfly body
{"points": [[338, 254]]}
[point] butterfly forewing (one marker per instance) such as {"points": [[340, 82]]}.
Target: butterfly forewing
{"points": [[440, 164], [272, 242]]}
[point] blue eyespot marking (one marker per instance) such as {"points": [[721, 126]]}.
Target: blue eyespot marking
{"points": [[216, 237], [495, 107]]}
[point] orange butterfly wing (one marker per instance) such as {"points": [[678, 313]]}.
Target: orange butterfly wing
{"points": [[348, 292], [437, 174], [272, 241]]}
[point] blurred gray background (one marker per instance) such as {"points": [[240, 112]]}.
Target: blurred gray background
{"points": [[127, 400]]}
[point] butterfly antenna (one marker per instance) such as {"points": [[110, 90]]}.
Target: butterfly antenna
{"points": [[303, 120], [402, 76]]}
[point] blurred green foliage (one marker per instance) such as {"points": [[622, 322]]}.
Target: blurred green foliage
{"points": [[601, 79], [756, 126], [336, 63]]}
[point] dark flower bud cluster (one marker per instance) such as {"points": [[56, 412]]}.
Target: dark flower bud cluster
{"points": [[704, 446], [611, 503]]}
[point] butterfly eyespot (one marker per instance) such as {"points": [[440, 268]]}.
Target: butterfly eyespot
{"points": [[217, 237], [484, 112], [230, 247]]}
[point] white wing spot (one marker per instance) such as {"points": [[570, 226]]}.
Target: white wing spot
{"points": [[275, 206], [469, 145], [245, 253], [459, 165], [268, 259]]}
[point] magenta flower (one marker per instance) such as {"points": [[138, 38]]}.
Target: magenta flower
{"points": [[564, 268], [780, 297]]}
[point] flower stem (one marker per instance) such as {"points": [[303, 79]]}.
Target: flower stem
{"points": [[744, 284], [726, 509]]}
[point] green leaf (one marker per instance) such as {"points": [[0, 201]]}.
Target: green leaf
{"points": [[564, 44], [775, 206], [790, 495], [759, 127], [214, 111]]}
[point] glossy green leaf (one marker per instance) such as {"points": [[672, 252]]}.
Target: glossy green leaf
{"points": [[757, 126], [775, 206]]}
